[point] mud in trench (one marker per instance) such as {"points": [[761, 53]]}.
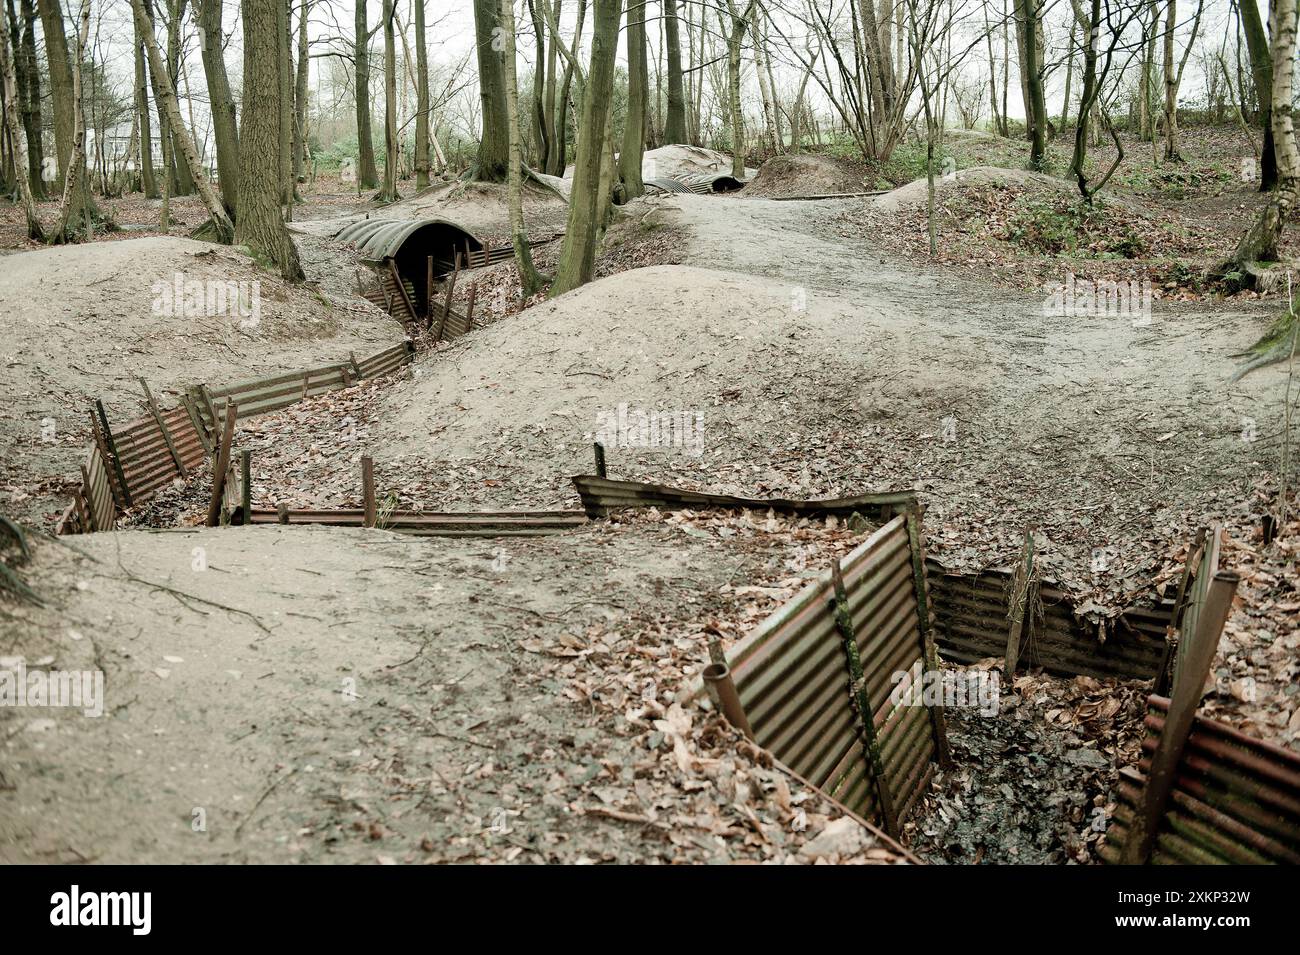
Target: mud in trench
{"points": [[306, 694], [1033, 769]]}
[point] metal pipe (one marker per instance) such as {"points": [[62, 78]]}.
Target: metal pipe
{"points": [[722, 690]]}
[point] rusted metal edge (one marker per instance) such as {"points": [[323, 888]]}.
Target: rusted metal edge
{"points": [[433, 524], [602, 495]]}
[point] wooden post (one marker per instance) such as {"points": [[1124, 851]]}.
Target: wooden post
{"points": [[1178, 721], [368, 489], [196, 419], [86, 500], [1194, 555], [282, 512], [162, 428], [862, 703], [111, 447], [206, 395], [428, 292], [930, 656], [1023, 597], [469, 306], [451, 289], [600, 458], [222, 466], [246, 486]]}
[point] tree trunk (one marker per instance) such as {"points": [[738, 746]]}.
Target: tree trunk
{"points": [[1037, 114], [1069, 73], [638, 88], [300, 100], [17, 134], [587, 204], [181, 136], [675, 120], [537, 111], [735, 36], [493, 163], [421, 100], [367, 173], [28, 77], [530, 282], [148, 184], [261, 225], [549, 125], [61, 82], [74, 209], [1261, 70], [183, 176], [1260, 243], [1171, 83], [389, 191], [225, 129]]}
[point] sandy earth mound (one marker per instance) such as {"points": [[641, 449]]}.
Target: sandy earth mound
{"points": [[805, 175], [675, 161], [82, 322], [914, 193]]}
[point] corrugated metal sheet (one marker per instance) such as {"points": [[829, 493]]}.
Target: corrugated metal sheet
{"points": [[602, 495], [1236, 799], [448, 524], [972, 622], [793, 678], [664, 184], [146, 460], [384, 238], [707, 182]]}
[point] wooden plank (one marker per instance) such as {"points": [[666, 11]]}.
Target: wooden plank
{"points": [[929, 656], [368, 489], [162, 428], [1189, 684], [222, 466]]}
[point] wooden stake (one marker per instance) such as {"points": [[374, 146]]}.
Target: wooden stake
{"points": [[1023, 597], [368, 489], [600, 458], [246, 486], [109, 447], [428, 292], [469, 307], [222, 466], [162, 428], [1178, 721]]}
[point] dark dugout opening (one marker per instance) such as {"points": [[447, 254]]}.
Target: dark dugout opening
{"points": [[410, 243]]}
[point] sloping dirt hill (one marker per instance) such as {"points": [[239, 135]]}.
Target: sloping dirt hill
{"points": [[82, 322]]}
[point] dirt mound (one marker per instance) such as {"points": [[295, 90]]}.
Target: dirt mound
{"points": [[914, 193], [783, 176], [82, 322], [482, 207], [733, 377], [675, 161]]}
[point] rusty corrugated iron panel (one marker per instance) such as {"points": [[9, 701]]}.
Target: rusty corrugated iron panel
{"points": [[434, 524], [708, 182], [380, 238], [793, 679], [665, 184], [1236, 799], [602, 495], [971, 614]]}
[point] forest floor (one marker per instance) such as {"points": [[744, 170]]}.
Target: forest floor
{"points": [[820, 354]]}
